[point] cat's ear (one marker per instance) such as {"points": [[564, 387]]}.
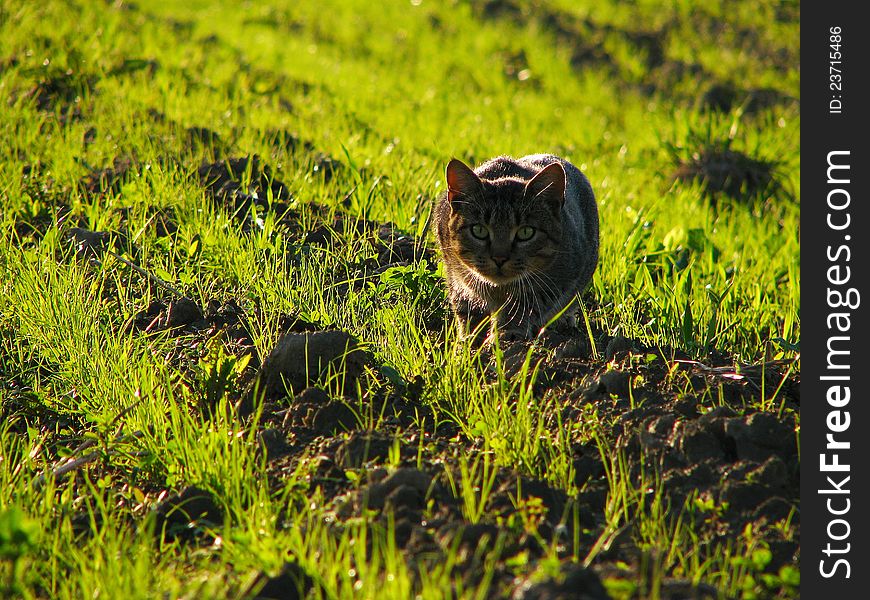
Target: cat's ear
{"points": [[548, 186], [461, 180]]}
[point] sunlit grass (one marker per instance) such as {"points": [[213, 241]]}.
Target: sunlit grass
{"points": [[390, 92]]}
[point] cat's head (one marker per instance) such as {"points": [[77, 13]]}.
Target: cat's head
{"points": [[505, 229]]}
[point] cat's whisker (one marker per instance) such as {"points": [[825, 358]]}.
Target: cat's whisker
{"points": [[547, 279], [519, 300], [533, 303], [513, 299], [545, 282], [528, 295], [537, 297]]}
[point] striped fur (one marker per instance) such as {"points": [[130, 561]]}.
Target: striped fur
{"points": [[492, 271]]}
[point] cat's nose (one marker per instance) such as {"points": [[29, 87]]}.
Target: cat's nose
{"points": [[499, 261]]}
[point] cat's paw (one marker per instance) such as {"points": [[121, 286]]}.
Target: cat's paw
{"points": [[511, 335]]}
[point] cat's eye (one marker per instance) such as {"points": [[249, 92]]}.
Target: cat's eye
{"points": [[479, 231], [525, 233]]}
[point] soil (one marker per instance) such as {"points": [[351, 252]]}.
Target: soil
{"points": [[722, 171], [689, 421]]}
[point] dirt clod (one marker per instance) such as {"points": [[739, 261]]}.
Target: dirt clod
{"points": [[300, 360], [723, 171], [240, 182], [272, 443], [108, 181], [88, 244], [616, 382], [467, 537], [578, 583], [187, 515], [334, 417], [697, 443], [617, 347], [291, 583], [404, 487], [361, 448], [760, 434], [181, 312]]}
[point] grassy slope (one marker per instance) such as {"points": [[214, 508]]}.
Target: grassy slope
{"points": [[392, 90]]}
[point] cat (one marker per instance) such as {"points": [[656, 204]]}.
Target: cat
{"points": [[519, 240]]}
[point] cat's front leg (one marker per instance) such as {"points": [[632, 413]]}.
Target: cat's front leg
{"points": [[564, 318], [471, 320], [514, 324]]}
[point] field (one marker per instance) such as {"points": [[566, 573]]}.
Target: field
{"points": [[227, 364]]}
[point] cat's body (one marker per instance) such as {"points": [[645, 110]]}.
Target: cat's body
{"points": [[519, 239]]}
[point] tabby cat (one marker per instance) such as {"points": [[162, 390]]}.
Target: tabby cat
{"points": [[519, 238]]}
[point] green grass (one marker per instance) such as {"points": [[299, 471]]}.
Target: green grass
{"points": [[391, 91]]}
